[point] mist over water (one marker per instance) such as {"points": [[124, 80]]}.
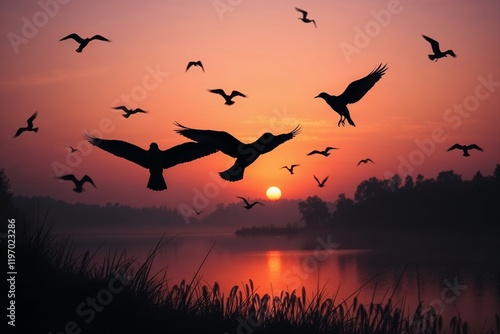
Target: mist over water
{"points": [[453, 280]]}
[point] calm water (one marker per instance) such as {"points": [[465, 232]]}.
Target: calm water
{"points": [[451, 281]]}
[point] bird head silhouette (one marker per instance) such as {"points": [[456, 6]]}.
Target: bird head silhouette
{"points": [[323, 95], [154, 146]]}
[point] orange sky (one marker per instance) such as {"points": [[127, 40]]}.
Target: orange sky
{"points": [[263, 50]]}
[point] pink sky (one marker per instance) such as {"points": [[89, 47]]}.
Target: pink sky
{"points": [[405, 122]]}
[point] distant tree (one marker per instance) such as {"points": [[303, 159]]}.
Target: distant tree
{"points": [[409, 184], [345, 208], [448, 178], [496, 173], [478, 177], [314, 211], [395, 182]]}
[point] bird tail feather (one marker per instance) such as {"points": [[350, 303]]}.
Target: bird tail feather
{"points": [[235, 173], [350, 121], [35, 129], [157, 182], [432, 57]]}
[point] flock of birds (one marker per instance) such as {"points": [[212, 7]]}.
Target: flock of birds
{"points": [[205, 142]]}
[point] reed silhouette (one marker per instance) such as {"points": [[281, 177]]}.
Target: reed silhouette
{"points": [[352, 94], [154, 159], [29, 127], [245, 153]]}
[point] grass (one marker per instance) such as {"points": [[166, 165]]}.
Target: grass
{"points": [[59, 292]]}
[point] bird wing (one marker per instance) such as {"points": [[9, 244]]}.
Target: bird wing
{"points": [[244, 199], [370, 160], [69, 177], [257, 203], [101, 38], [293, 166], [200, 64], [434, 44], [474, 146], [74, 36], [324, 180], [314, 152], [125, 109], [218, 91], [31, 119], [87, 178], [360, 161], [219, 140], [140, 110], [316, 179], [451, 53], [357, 89], [121, 149], [184, 153], [315, 26], [304, 13], [279, 139], [236, 93], [18, 132], [330, 148], [460, 147], [191, 63]]}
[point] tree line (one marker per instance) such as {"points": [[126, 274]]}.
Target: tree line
{"points": [[425, 204]]}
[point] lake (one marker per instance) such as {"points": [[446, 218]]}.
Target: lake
{"points": [[453, 281]]}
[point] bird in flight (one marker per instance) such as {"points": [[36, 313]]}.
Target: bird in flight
{"points": [[195, 63], [72, 149], [245, 153], [198, 212], [465, 148], [322, 183], [84, 41], [154, 159], [29, 127], [78, 183], [325, 152], [304, 17], [437, 51], [248, 206], [353, 93], [365, 161], [129, 112], [228, 98], [290, 169]]}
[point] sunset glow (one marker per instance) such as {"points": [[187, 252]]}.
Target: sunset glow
{"points": [[273, 193], [405, 123]]}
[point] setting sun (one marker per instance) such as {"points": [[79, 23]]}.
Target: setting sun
{"points": [[273, 193]]}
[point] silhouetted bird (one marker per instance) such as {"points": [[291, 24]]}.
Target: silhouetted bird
{"points": [[364, 161], [198, 212], [437, 52], [322, 183], [290, 169], [195, 63], [226, 97], [245, 154], [29, 127], [73, 150], [304, 17], [248, 206], [325, 152], [78, 183], [353, 93], [84, 41], [153, 159], [129, 112], [465, 148]]}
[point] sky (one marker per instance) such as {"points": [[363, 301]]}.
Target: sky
{"points": [[405, 123]]}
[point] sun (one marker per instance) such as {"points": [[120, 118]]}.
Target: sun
{"points": [[273, 193]]}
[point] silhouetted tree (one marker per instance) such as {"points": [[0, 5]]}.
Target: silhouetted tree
{"points": [[314, 211], [409, 184]]}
